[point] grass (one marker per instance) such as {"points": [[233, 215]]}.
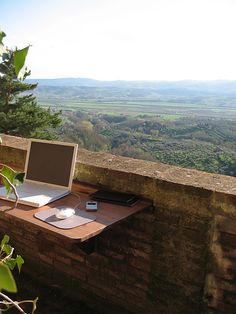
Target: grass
{"points": [[171, 117], [168, 110]]}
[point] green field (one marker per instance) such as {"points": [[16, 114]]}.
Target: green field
{"points": [[168, 110]]}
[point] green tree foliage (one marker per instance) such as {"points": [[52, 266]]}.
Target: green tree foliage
{"points": [[19, 112], [204, 144], [79, 128], [10, 179]]}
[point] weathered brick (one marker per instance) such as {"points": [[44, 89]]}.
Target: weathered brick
{"points": [[79, 270], [139, 263], [109, 272], [178, 297], [48, 259], [103, 282], [227, 286], [138, 274], [145, 247], [60, 266], [176, 271], [140, 253], [138, 235], [147, 217], [225, 224], [230, 298], [95, 260], [62, 259], [117, 266], [142, 226], [135, 281], [226, 308], [227, 240], [72, 252], [113, 254], [230, 253], [115, 245]]}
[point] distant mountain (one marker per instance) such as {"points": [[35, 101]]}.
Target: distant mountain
{"points": [[218, 87], [65, 82]]}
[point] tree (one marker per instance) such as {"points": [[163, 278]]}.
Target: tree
{"points": [[19, 112], [10, 179]]}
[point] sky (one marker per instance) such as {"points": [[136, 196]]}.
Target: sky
{"points": [[124, 39]]}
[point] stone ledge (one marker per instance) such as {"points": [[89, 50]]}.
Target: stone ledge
{"points": [[166, 185], [148, 169]]}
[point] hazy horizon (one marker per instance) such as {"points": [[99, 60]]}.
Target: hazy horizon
{"points": [[132, 40], [140, 80]]}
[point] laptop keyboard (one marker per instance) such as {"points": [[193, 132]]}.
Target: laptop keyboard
{"points": [[32, 188]]}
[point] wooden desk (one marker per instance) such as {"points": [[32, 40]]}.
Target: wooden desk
{"points": [[106, 216]]}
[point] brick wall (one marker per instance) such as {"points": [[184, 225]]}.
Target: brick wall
{"points": [[178, 257], [220, 291], [115, 266]]}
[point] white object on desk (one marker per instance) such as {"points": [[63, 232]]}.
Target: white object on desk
{"points": [[64, 212]]}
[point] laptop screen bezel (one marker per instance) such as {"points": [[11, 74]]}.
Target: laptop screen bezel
{"points": [[69, 186]]}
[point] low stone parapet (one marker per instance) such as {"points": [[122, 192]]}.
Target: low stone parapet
{"points": [[177, 257]]}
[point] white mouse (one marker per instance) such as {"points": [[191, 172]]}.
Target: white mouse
{"points": [[64, 212]]}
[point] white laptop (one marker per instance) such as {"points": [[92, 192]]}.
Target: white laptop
{"points": [[49, 170]]}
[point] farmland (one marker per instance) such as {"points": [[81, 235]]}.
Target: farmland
{"points": [[188, 128]]}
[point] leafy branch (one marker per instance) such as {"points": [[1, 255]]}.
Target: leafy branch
{"points": [[7, 282], [9, 303], [11, 179]]}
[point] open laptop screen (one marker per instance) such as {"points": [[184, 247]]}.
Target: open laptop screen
{"points": [[50, 163]]}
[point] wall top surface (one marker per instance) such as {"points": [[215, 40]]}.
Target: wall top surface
{"points": [[148, 169]]}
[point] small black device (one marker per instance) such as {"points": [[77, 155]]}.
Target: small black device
{"points": [[115, 197]]}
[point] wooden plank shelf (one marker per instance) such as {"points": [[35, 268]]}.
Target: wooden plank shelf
{"points": [[107, 215]]}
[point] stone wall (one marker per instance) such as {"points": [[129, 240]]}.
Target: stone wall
{"points": [[178, 257], [220, 290]]}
